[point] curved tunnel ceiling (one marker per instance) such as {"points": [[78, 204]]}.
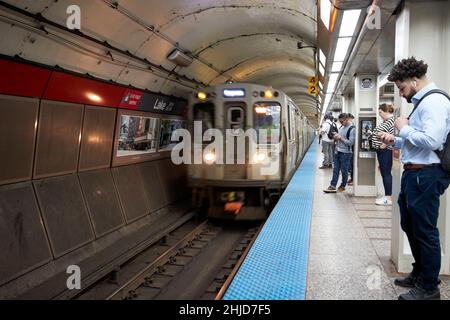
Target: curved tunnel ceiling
{"points": [[246, 41]]}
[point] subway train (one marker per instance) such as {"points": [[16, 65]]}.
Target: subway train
{"points": [[253, 139]]}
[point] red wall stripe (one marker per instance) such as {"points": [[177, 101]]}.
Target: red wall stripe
{"points": [[69, 88], [22, 80]]}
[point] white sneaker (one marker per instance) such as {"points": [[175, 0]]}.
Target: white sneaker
{"points": [[383, 201]]}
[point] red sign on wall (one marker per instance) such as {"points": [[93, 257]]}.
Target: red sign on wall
{"points": [[131, 99]]}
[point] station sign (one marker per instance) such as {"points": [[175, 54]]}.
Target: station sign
{"points": [[313, 87], [151, 102]]}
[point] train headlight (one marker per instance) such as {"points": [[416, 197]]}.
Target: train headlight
{"points": [[202, 96], [259, 157], [209, 158], [268, 94]]}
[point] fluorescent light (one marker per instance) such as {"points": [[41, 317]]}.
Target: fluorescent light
{"points": [[337, 66], [383, 81], [331, 86], [322, 57], [341, 49], [349, 21], [325, 9], [321, 69], [333, 77]]}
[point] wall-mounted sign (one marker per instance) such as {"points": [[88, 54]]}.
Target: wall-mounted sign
{"points": [[131, 99], [161, 104], [313, 88], [150, 102]]}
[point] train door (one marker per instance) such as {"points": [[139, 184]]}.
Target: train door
{"points": [[235, 119], [292, 145], [300, 138]]}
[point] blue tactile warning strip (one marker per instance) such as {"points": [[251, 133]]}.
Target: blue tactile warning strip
{"points": [[276, 266]]}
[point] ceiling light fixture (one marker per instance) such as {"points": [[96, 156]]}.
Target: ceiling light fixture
{"points": [[349, 21], [341, 49], [180, 58], [337, 66]]}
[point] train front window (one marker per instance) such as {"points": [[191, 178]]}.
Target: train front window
{"points": [[267, 122], [204, 112], [235, 117]]}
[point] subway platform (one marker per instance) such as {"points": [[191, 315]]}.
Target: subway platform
{"points": [[350, 247]]}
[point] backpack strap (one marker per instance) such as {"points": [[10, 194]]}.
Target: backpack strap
{"points": [[349, 131], [426, 95], [348, 136]]}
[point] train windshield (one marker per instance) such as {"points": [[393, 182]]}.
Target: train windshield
{"points": [[267, 122], [204, 112]]}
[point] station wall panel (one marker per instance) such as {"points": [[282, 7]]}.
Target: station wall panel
{"points": [[23, 242], [18, 117], [58, 138], [168, 179], [180, 180], [131, 192], [102, 201], [153, 185], [97, 138], [64, 213]]}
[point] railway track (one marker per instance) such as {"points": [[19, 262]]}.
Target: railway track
{"points": [[193, 262]]}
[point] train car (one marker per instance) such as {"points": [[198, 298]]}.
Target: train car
{"points": [[253, 139]]}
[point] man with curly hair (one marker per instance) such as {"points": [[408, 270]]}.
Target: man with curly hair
{"points": [[424, 180]]}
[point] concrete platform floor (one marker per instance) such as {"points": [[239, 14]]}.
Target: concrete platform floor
{"points": [[349, 256]]}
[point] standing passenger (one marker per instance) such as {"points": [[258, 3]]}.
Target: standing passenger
{"points": [[350, 169], [327, 141], [384, 152], [424, 180], [345, 140]]}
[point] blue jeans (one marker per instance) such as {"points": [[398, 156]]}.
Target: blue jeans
{"points": [[419, 211], [385, 158], [341, 164], [327, 149]]}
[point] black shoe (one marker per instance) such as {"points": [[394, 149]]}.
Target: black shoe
{"points": [[408, 282], [418, 293], [330, 189]]}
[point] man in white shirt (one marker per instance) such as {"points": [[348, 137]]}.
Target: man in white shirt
{"points": [[327, 142]]}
